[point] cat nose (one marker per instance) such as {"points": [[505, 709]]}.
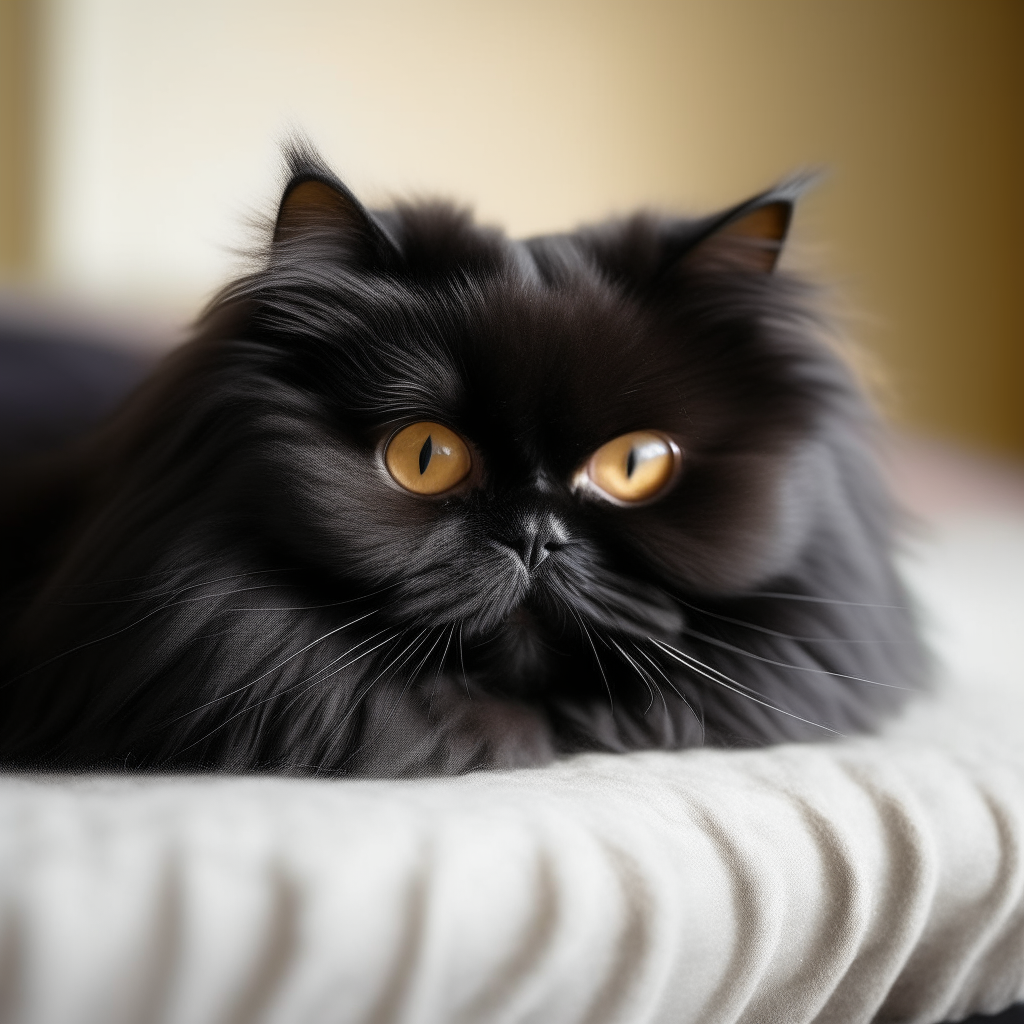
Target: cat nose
{"points": [[540, 535]]}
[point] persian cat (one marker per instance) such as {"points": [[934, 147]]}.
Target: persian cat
{"points": [[418, 498]]}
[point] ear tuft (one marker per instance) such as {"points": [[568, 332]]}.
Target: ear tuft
{"points": [[749, 237], [317, 203]]}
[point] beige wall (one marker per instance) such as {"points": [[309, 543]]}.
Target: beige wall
{"points": [[162, 118], [17, 139]]}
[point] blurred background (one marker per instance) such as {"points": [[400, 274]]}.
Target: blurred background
{"points": [[138, 139]]}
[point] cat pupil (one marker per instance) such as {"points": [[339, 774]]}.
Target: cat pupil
{"points": [[631, 462], [425, 453]]}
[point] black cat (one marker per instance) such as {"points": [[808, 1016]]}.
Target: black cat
{"points": [[419, 498]]}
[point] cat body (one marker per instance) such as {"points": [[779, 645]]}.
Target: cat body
{"points": [[249, 569]]}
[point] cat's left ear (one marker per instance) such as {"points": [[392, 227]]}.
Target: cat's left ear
{"points": [[317, 203], [749, 237]]}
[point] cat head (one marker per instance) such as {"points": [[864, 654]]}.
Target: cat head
{"points": [[543, 444]]}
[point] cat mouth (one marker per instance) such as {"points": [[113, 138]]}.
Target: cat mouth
{"points": [[615, 606], [524, 656], [524, 638]]}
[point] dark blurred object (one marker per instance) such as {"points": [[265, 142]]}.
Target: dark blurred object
{"points": [[59, 376], [1014, 1015]]}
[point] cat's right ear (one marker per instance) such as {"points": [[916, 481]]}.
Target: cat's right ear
{"points": [[747, 238], [316, 204]]}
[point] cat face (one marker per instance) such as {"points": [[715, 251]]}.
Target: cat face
{"points": [[537, 444]]}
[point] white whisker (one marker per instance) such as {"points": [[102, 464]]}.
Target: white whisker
{"points": [[278, 666], [814, 669], [600, 667], [273, 696], [810, 599], [643, 675], [462, 663], [675, 689], [693, 663], [788, 636], [312, 680]]}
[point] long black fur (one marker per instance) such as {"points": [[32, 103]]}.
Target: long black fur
{"points": [[224, 577]]}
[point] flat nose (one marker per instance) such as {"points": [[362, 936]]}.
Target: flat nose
{"points": [[540, 535]]}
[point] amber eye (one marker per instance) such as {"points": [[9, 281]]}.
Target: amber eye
{"points": [[427, 458], [634, 468]]}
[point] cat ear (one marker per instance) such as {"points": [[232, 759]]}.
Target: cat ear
{"points": [[749, 237], [317, 203]]}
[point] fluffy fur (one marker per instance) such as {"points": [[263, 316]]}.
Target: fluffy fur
{"points": [[225, 576]]}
